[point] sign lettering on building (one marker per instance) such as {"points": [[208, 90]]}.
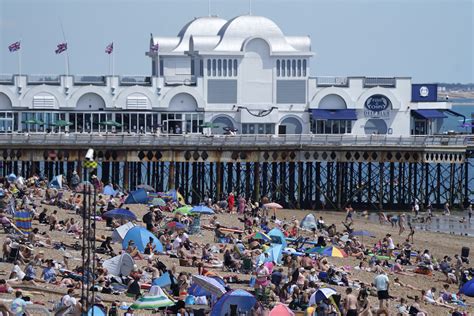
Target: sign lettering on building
{"points": [[377, 106]]}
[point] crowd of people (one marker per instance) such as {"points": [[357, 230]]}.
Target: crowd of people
{"points": [[239, 254]]}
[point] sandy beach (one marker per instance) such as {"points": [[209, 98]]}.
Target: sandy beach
{"points": [[438, 243]]}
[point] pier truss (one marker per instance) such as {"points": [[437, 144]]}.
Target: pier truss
{"points": [[305, 171]]}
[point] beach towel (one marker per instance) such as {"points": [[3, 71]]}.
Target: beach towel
{"points": [[23, 221]]}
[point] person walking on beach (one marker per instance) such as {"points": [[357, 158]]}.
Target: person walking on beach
{"points": [[446, 210], [469, 212], [350, 303], [401, 223], [382, 283]]}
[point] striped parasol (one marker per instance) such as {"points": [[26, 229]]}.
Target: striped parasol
{"points": [[333, 252], [209, 284], [157, 298]]}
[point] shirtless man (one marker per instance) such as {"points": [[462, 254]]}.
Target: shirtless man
{"points": [[350, 303]]}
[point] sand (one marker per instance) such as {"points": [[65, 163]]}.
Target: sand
{"points": [[438, 243]]}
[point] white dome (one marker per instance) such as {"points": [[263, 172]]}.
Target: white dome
{"points": [[202, 26], [249, 26]]}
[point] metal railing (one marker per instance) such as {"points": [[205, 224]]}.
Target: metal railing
{"points": [[44, 79], [230, 141], [332, 81], [135, 80], [379, 81], [89, 79], [6, 79]]}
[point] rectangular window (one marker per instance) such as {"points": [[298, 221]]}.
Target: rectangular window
{"points": [[261, 129], [224, 67], [293, 68], [208, 67], [43, 102], [214, 65], [288, 68], [229, 66], [283, 68], [269, 129], [219, 67], [278, 68], [235, 67], [299, 67], [137, 102], [304, 67], [244, 128]]}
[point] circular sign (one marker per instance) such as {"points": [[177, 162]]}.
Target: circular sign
{"points": [[424, 91], [377, 103]]}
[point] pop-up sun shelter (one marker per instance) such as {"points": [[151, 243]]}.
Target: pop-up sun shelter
{"points": [[278, 244], [242, 300], [139, 196], [308, 222], [141, 237], [120, 265]]}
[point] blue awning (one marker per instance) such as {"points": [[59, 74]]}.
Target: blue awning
{"points": [[346, 114], [429, 114]]}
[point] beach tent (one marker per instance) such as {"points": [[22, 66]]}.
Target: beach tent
{"points": [[119, 233], [140, 235], [170, 195], [243, 300], [120, 265], [137, 197], [278, 244], [277, 237], [163, 281], [109, 190], [23, 221], [468, 288], [11, 178], [308, 222], [155, 299], [56, 182], [281, 310], [96, 311]]}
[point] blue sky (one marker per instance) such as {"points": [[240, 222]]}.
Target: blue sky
{"points": [[429, 40]]}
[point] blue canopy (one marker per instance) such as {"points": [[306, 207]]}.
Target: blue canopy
{"points": [[139, 196], [277, 237], [96, 311], [468, 288], [202, 209], [56, 182], [243, 299], [163, 281], [343, 114], [120, 213], [141, 236], [429, 114]]}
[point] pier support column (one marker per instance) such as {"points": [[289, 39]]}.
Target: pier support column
{"points": [[126, 175], [381, 185], [218, 180], [171, 176], [256, 177]]}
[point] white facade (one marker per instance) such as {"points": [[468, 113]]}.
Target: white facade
{"points": [[243, 73]]}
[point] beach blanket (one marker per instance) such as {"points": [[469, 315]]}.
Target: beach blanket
{"points": [[23, 221]]}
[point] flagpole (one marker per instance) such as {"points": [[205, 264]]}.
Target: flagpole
{"points": [[113, 59], [67, 50], [19, 60]]}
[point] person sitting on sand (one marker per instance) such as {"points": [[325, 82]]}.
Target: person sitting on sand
{"points": [[429, 298], [132, 250], [398, 269], [397, 282]]}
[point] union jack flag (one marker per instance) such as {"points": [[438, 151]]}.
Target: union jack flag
{"points": [[110, 48], [14, 47], [155, 47], [61, 48]]}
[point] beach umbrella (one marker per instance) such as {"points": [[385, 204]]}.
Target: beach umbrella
{"points": [[33, 122], [60, 123], [272, 205], [155, 299], [202, 209], [260, 235], [333, 252], [209, 284], [321, 294], [362, 233], [158, 202], [468, 288], [315, 250], [120, 213], [141, 236], [281, 310], [146, 187], [175, 225], [185, 210], [111, 123]]}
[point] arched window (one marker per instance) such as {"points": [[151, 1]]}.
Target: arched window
{"points": [[299, 67], [278, 68], [304, 67], [219, 67], [283, 68], [288, 68], [208, 67], [214, 67], [229, 66], [293, 68], [235, 67], [224, 67]]}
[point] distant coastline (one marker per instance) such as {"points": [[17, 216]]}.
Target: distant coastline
{"points": [[464, 95]]}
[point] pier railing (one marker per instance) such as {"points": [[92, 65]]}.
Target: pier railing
{"points": [[229, 141]]}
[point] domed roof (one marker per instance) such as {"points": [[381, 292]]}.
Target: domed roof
{"points": [[206, 25], [202, 26], [250, 25]]}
